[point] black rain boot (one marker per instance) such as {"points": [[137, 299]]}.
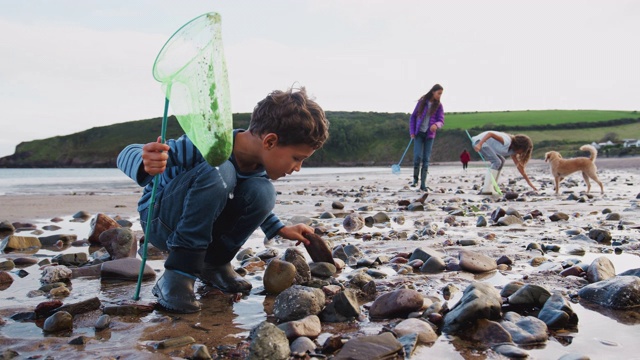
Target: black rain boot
{"points": [[423, 178], [218, 272], [416, 171], [174, 289]]}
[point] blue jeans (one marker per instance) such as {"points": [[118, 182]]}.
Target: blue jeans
{"points": [[490, 155], [422, 150], [206, 208]]}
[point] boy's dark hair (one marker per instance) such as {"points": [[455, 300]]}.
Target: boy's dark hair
{"points": [[522, 146], [292, 116]]}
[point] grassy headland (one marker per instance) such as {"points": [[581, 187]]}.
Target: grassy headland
{"points": [[357, 138]]}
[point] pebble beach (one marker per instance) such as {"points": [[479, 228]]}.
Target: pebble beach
{"points": [[453, 275]]}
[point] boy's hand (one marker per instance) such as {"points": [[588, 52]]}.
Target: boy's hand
{"points": [[296, 233], [154, 157]]}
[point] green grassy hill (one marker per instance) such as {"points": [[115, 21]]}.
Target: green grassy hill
{"points": [[533, 118], [357, 138]]}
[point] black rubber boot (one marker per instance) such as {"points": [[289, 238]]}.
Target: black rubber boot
{"points": [[423, 178], [224, 278], [175, 292], [218, 272], [174, 289], [416, 172]]}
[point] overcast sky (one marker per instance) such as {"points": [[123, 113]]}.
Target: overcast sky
{"points": [[69, 65]]}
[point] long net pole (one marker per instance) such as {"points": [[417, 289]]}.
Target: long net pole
{"points": [[156, 180]]}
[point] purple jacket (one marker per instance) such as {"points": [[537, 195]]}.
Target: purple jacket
{"points": [[437, 118]]}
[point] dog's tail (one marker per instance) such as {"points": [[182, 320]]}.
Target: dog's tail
{"points": [[592, 150]]}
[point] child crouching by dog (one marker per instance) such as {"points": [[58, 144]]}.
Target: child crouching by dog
{"points": [[494, 146], [203, 214]]}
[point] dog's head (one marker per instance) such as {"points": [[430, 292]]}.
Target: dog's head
{"points": [[552, 155]]}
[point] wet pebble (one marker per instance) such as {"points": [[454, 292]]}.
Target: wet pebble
{"points": [[59, 321], [53, 274], [298, 302], [278, 276], [103, 322], [353, 222], [309, 326], [600, 269], [425, 332], [119, 242], [557, 312], [558, 216], [301, 346], [475, 262], [268, 342], [620, 292], [398, 303]]}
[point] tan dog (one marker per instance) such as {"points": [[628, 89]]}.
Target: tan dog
{"points": [[561, 168]]}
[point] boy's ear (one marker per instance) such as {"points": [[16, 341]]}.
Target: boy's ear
{"points": [[270, 141]]}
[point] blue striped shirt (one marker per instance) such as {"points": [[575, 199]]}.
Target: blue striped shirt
{"points": [[183, 156]]}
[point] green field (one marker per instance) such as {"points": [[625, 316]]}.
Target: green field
{"points": [[530, 118]]}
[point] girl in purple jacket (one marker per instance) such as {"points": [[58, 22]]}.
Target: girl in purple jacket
{"points": [[427, 118]]}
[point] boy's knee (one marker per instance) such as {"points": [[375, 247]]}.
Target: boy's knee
{"points": [[259, 193]]}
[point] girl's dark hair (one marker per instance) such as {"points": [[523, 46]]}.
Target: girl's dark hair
{"points": [[522, 146], [426, 98]]}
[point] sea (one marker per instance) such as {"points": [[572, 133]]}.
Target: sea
{"points": [[57, 181]]}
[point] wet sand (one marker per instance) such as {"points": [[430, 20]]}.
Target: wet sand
{"points": [[310, 195]]}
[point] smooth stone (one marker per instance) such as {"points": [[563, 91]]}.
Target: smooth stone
{"points": [[337, 205], [557, 312], [530, 295], [5, 279], [103, 322], [20, 243], [353, 222], [309, 326], [558, 216], [322, 269], [425, 332], [59, 321], [278, 276], [7, 265], [487, 332], [600, 235], [525, 330], [511, 351], [65, 239], [600, 269], [127, 269], [296, 257], [620, 292], [398, 303], [302, 346], [479, 301], [434, 265], [71, 259], [475, 262], [375, 347]]}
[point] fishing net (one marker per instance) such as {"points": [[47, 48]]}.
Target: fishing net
{"points": [[193, 73]]}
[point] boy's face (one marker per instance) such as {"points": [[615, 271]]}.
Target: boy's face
{"points": [[280, 161]]}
